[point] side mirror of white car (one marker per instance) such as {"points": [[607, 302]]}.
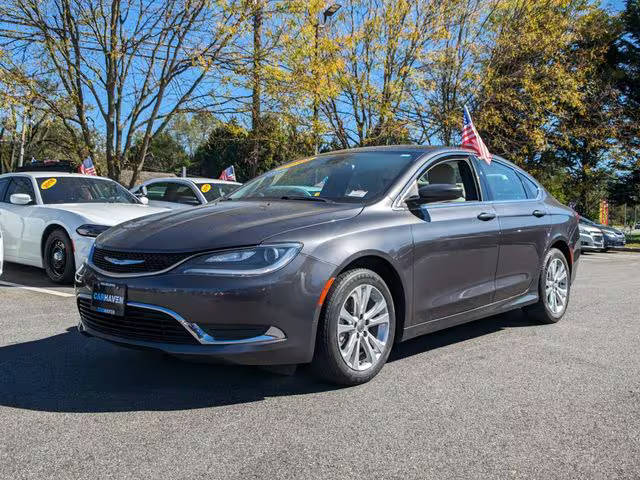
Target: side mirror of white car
{"points": [[20, 199], [144, 200]]}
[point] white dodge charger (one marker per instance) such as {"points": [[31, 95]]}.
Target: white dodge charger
{"points": [[50, 219]]}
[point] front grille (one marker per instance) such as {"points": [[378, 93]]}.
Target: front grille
{"points": [[597, 238], [150, 262], [136, 324]]}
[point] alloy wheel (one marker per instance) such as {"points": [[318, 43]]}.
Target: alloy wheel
{"points": [[363, 327], [58, 258], [557, 286]]}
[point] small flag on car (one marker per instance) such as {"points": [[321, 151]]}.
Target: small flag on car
{"points": [[87, 168], [472, 140], [228, 173]]}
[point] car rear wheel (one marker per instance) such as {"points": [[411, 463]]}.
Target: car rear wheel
{"points": [[554, 289], [58, 257], [356, 329]]}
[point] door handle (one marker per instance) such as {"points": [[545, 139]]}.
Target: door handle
{"points": [[486, 216], [538, 213]]}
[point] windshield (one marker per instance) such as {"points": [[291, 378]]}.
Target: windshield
{"points": [[212, 191], [82, 190], [341, 177]]}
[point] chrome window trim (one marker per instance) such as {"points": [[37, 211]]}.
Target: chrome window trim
{"points": [[271, 335]]}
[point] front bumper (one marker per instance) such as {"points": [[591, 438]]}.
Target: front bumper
{"points": [[614, 241], [591, 242], [284, 304]]}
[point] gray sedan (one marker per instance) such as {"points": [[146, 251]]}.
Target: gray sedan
{"points": [[331, 260]]}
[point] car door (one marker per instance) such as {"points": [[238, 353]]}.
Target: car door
{"points": [[455, 245], [14, 218], [524, 228]]}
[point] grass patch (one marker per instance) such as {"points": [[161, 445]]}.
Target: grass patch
{"points": [[633, 240]]}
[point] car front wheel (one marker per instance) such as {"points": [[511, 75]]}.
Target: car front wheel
{"points": [[58, 257], [554, 289], [356, 329]]}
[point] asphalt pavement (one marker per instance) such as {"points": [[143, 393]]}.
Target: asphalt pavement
{"points": [[498, 398]]}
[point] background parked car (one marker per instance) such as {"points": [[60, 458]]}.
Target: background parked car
{"points": [[591, 237], [50, 219], [612, 237], [183, 192], [1, 251]]}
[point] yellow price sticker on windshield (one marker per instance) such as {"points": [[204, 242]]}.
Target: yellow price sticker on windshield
{"points": [[205, 188], [48, 183]]}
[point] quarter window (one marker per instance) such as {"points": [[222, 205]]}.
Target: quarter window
{"points": [[530, 187], [504, 182]]}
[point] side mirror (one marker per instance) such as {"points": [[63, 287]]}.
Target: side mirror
{"points": [[436, 192], [141, 192], [20, 199], [144, 200]]}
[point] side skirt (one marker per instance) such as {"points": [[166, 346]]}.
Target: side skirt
{"points": [[469, 316]]}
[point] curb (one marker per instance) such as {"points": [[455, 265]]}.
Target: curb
{"points": [[625, 249]]}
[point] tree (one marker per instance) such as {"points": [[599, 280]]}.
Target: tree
{"points": [[164, 154], [231, 144], [137, 63]]}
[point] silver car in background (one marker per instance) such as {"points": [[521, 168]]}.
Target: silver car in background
{"points": [[184, 192], [591, 237]]}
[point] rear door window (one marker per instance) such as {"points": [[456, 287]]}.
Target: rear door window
{"points": [[504, 182]]}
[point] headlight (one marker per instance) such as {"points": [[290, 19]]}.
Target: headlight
{"points": [[242, 262], [91, 230]]}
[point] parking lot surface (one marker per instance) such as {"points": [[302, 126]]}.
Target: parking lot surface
{"points": [[498, 398]]}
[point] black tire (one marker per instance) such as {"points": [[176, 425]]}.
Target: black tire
{"points": [[542, 311], [328, 362], [58, 259]]}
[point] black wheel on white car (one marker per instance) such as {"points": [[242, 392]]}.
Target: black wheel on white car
{"points": [[554, 289], [58, 259], [356, 329]]}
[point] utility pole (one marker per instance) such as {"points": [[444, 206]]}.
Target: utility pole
{"points": [[256, 85], [23, 137], [328, 13]]}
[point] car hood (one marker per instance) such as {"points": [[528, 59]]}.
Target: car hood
{"points": [[606, 229], [107, 213], [222, 225], [590, 229]]}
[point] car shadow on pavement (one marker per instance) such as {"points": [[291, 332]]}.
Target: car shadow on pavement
{"points": [[461, 333], [70, 373]]}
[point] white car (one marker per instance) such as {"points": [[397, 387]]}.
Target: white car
{"points": [[50, 219], [183, 192], [1, 251]]}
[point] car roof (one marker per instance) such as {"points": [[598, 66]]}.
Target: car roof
{"points": [[51, 174], [192, 180]]}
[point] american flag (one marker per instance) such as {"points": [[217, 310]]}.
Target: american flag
{"points": [[228, 173], [87, 168], [471, 138]]}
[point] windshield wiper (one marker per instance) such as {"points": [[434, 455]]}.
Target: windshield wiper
{"points": [[301, 197]]}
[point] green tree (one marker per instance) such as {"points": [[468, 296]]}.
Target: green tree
{"points": [[164, 154], [231, 144]]}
